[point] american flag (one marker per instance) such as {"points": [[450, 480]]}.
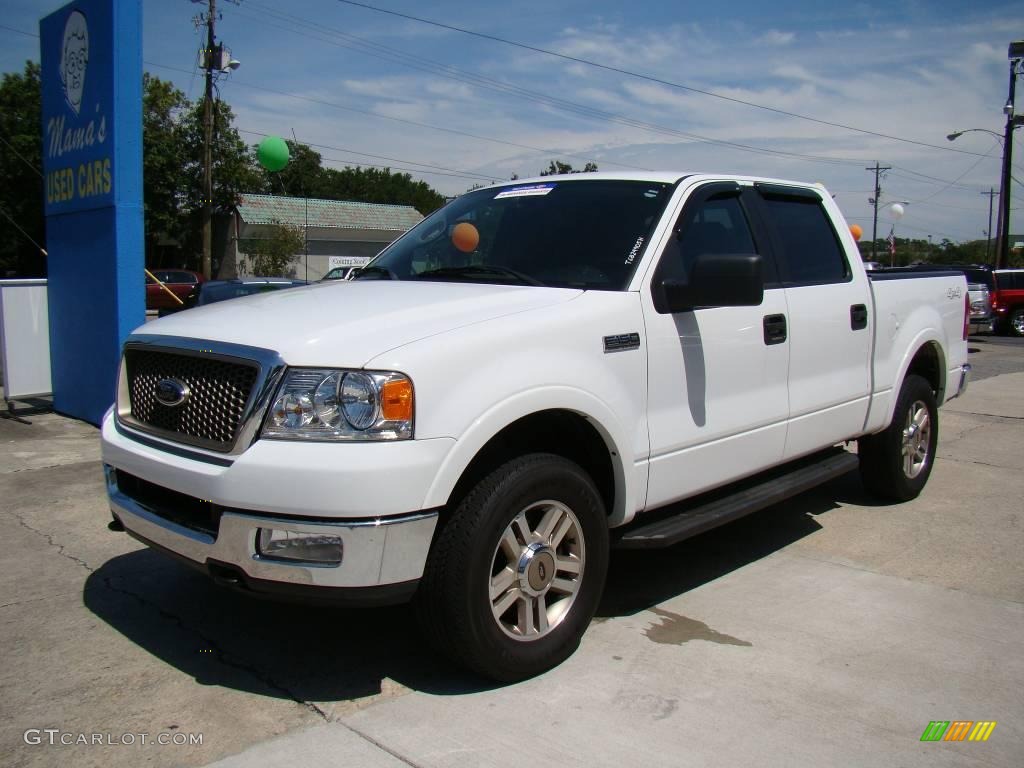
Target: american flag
{"points": [[891, 239]]}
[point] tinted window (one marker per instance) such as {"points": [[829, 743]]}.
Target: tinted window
{"points": [[175, 276], [1006, 281], [982, 276], [717, 226], [810, 249], [579, 234]]}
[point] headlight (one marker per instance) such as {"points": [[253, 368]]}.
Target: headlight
{"points": [[328, 404]]}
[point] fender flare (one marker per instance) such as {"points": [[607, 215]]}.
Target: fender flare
{"points": [[509, 410], [924, 337]]}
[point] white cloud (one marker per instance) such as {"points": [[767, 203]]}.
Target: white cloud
{"points": [[889, 82], [776, 38]]}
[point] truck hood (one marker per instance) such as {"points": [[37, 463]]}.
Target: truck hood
{"points": [[346, 324]]}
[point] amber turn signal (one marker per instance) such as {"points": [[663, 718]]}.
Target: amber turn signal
{"points": [[396, 400]]}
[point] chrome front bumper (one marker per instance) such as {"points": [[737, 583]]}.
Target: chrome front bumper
{"points": [[377, 553]]}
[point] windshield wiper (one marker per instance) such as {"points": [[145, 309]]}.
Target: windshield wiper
{"points": [[480, 270]]}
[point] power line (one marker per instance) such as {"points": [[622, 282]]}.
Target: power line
{"points": [[21, 157], [26, 234], [542, 150], [650, 78], [551, 100], [19, 31], [932, 179], [379, 51], [441, 171], [952, 183]]}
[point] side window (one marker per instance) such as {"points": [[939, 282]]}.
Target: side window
{"points": [[716, 226], [811, 253]]}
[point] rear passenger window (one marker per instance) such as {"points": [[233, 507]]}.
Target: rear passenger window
{"points": [[811, 253]]}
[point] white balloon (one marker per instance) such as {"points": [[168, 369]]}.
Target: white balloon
{"points": [[896, 211]]}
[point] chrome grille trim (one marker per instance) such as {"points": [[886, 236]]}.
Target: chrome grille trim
{"points": [[268, 371]]}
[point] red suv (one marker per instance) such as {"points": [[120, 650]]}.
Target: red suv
{"points": [[180, 282], [1008, 301]]}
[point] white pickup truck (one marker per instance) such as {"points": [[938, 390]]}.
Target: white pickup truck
{"points": [[536, 373]]}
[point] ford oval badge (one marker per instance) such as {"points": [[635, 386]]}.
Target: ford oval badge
{"points": [[171, 392]]}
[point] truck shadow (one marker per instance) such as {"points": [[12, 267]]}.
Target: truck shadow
{"points": [[315, 654], [639, 580]]}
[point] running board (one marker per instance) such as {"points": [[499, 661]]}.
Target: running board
{"points": [[693, 520]]}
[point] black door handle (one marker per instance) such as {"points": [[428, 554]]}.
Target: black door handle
{"points": [[858, 317], [774, 329]]}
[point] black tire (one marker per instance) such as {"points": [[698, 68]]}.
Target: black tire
{"points": [[885, 467], [454, 602], [1015, 323]]}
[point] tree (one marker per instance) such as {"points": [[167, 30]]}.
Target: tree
{"points": [[163, 161], [303, 176], [306, 176], [557, 167], [271, 255], [22, 226], [235, 170]]}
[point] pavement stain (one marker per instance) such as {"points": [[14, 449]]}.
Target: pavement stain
{"points": [[674, 629]]}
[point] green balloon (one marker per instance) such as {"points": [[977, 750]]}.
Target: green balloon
{"points": [[272, 153]]}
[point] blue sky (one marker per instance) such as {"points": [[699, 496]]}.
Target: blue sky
{"points": [[456, 110]]}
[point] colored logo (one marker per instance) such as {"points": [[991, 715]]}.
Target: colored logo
{"points": [[958, 730]]}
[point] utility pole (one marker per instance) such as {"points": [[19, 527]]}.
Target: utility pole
{"points": [[1015, 53], [208, 143], [988, 232], [878, 169]]}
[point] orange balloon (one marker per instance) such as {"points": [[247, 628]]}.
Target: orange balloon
{"points": [[856, 231], [465, 237]]}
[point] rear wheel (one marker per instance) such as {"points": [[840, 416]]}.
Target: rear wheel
{"points": [[515, 575], [895, 464], [1016, 323]]}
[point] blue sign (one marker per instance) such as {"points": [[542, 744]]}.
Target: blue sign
{"points": [[91, 60]]}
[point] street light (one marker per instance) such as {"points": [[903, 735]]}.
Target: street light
{"points": [[957, 134], [1002, 229]]}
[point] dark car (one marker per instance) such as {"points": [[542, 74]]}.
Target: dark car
{"points": [[180, 282], [222, 290]]}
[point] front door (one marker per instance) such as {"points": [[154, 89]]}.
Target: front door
{"points": [[717, 393]]}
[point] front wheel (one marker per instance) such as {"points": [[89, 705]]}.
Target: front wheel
{"points": [[895, 463], [515, 574]]}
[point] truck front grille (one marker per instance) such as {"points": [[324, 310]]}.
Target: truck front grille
{"points": [[218, 389]]}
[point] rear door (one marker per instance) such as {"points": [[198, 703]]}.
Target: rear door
{"points": [[830, 325]]}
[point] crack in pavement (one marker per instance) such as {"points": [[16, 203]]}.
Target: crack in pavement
{"points": [[988, 415], [37, 599], [49, 540], [979, 463]]}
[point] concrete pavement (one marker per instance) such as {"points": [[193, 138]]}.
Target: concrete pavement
{"points": [[826, 631]]}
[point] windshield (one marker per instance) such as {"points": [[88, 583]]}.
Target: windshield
{"points": [[566, 234]]}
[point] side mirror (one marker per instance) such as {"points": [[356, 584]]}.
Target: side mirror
{"points": [[716, 280]]}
